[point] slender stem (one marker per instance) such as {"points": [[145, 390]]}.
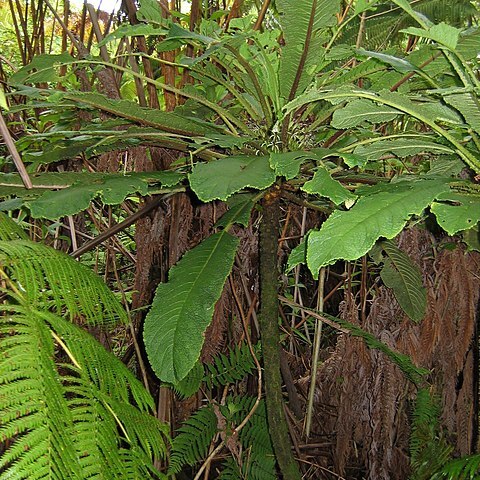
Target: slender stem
{"points": [[268, 321], [121, 226], [261, 14], [316, 353], [14, 153], [260, 93]]}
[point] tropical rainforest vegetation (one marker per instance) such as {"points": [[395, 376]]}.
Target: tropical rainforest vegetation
{"points": [[240, 240]]}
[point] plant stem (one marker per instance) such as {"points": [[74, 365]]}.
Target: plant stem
{"points": [[268, 321]]}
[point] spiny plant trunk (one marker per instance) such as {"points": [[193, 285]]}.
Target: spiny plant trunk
{"points": [[268, 321]]}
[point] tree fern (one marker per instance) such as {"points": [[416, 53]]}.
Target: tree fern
{"points": [[226, 368], [10, 230], [231, 368], [460, 469], [193, 440], [65, 402], [49, 277], [429, 451]]}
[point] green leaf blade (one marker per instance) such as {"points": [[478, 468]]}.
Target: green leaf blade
{"points": [[404, 278], [457, 212], [183, 308], [219, 179], [295, 20], [323, 184], [362, 110], [348, 235]]}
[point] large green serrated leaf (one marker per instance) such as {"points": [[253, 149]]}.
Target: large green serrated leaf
{"points": [[304, 23], [183, 307], [347, 235], [361, 110], [405, 279], [323, 184], [219, 179], [457, 211], [287, 164], [113, 189], [400, 147]]}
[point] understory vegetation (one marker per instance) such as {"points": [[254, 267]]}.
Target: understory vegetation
{"points": [[240, 240]]}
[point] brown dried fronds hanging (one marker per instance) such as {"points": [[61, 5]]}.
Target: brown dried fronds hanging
{"points": [[372, 398]]}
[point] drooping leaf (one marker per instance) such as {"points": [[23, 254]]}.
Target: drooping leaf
{"points": [[399, 64], [239, 210], [442, 33], [457, 211], [361, 110], [221, 178], [183, 307], [165, 121], [304, 25], [401, 275], [97, 140], [324, 185], [113, 188], [42, 68], [400, 147], [348, 235], [468, 105], [49, 277]]}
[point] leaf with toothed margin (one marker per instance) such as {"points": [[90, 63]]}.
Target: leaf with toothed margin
{"points": [[219, 179], [183, 307], [347, 235]]}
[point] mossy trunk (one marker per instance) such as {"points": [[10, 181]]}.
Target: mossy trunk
{"points": [[268, 320]]}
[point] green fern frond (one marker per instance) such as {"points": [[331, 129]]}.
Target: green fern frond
{"points": [[190, 385], [429, 451], [230, 470], [258, 457], [49, 277], [231, 368], [194, 438], [465, 468], [10, 230], [383, 26], [62, 414], [225, 369]]}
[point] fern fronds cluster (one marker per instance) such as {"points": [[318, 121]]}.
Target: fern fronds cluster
{"points": [[69, 409], [10, 230], [50, 278], [429, 450], [231, 368], [225, 369], [256, 461], [65, 403]]}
